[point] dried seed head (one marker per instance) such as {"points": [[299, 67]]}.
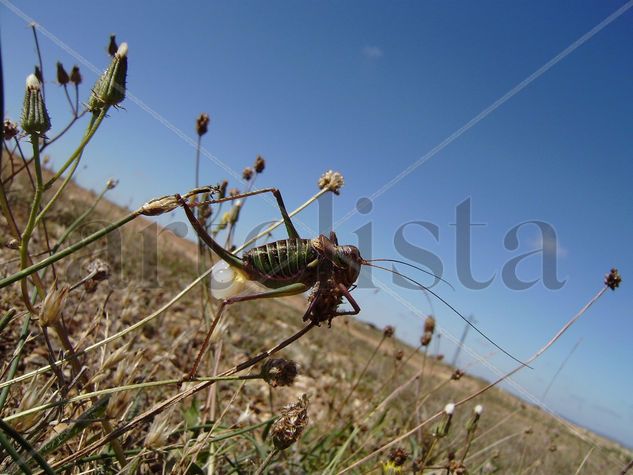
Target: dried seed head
{"points": [[389, 331], [112, 47], [426, 339], [399, 355], [279, 372], [100, 269], [35, 119], [53, 305], [613, 279], [398, 456], [260, 164], [456, 467], [286, 430], [202, 124], [247, 174], [109, 89], [332, 181], [222, 189], [112, 183], [161, 205], [457, 375], [429, 324], [75, 76], [10, 129], [13, 244], [62, 75]]}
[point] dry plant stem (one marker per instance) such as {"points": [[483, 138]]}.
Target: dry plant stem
{"points": [[266, 461], [493, 445], [179, 397], [17, 458], [484, 389], [584, 461], [24, 333], [117, 389], [628, 467], [360, 376]]}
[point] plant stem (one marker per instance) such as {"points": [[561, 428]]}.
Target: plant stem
{"points": [[266, 461]]}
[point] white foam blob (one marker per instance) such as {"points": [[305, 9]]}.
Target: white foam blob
{"points": [[226, 282]]}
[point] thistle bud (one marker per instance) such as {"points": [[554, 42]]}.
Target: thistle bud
{"points": [[35, 119], [444, 426], [202, 124], [75, 76], [260, 164], [53, 305], [332, 181], [471, 426], [62, 75], [247, 174], [288, 428], [10, 129], [389, 331], [279, 372], [613, 279], [109, 89], [112, 47]]}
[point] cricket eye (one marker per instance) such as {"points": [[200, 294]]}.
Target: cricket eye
{"points": [[226, 282]]}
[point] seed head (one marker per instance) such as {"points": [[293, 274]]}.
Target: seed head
{"points": [[109, 89], [35, 119], [10, 129], [247, 174], [449, 408], [112, 47], [75, 75], [62, 75], [426, 339], [260, 164], [288, 428], [279, 372], [479, 409], [444, 426], [398, 456], [399, 355], [471, 425], [457, 375], [112, 183], [429, 324], [13, 244], [332, 181], [53, 305], [202, 124], [613, 279], [388, 331]]}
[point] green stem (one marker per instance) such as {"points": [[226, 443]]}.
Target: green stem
{"points": [[14, 455], [69, 250], [90, 131], [7, 429], [24, 333]]}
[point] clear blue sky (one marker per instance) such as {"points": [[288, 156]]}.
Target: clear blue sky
{"points": [[368, 88]]}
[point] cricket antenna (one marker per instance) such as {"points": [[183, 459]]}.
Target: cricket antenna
{"points": [[415, 267], [449, 306]]}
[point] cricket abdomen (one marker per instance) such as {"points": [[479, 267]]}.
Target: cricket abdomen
{"points": [[281, 261]]}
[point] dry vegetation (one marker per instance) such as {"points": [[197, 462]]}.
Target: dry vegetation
{"points": [[114, 404]]}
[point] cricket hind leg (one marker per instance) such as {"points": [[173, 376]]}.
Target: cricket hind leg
{"points": [[292, 289], [292, 232]]}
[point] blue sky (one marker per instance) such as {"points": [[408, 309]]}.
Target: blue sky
{"points": [[367, 88]]}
